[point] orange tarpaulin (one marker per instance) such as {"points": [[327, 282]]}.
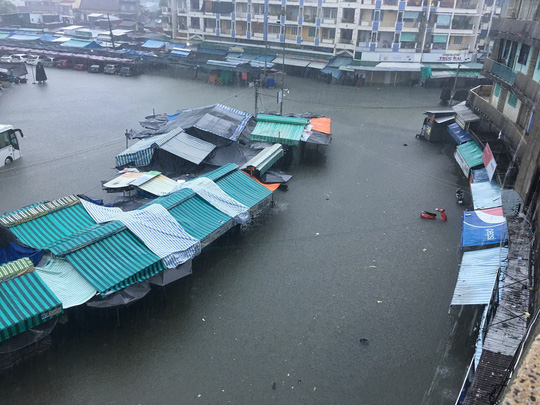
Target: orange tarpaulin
{"points": [[321, 125], [271, 186]]}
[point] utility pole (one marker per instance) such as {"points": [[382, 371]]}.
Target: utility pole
{"points": [[455, 84], [257, 83], [110, 31], [282, 78]]}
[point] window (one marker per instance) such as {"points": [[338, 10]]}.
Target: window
{"points": [[400, 16], [458, 40], [497, 90], [396, 37], [377, 15], [374, 37], [275, 29], [311, 32], [512, 100], [293, 30], [523, 54]]}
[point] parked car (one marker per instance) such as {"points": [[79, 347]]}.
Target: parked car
{"points": [[94, 69], [48, 61], [79, 66], [18, 57], [34, 59], [111, 69], [64, 64], [15, 58], [127, 71]]}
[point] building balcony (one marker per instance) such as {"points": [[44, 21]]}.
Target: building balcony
{"points": [[523, 86], [516, 30], [478, 100], [347, 20]]}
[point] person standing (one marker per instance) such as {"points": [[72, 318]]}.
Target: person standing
{"points": [[41, 76]]}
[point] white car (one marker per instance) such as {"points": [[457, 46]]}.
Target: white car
{"points": [[34, 59], [15, 58]]}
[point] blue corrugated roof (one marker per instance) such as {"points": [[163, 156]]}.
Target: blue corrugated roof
{"points": [[153, 44]]}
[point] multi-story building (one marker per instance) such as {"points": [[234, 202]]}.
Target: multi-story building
{"points": [[510, 110], [510, 105], [376, 30]]}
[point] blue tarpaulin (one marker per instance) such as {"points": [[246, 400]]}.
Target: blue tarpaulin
{"points": [[479, 175], [13, 251], [479, 229], [458, 134]]}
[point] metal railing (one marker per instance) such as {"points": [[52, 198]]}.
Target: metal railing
{"points": [[504, 73]]}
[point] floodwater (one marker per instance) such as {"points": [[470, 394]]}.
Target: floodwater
{"points": [[337, 295]]}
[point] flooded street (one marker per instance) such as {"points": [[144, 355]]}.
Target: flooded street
{"points": [[337, 295]]}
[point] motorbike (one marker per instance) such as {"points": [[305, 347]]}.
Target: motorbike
{"points": [[433, 215], [428, 215], [459, 196]]}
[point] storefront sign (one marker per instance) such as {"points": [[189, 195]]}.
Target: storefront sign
{"points": [[461, 162], [447, 58], [489, 161]]}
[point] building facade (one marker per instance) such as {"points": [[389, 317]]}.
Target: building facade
{"points": [[510, 105], [376, 30]]}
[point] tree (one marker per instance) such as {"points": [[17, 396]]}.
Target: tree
{"points": [[7, 6]]}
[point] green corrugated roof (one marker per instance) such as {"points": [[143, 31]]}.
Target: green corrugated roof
{"points": [[115, 262], [199, 218], [86, 236], [44, 231], [25, 302], [16, 267], [471, 153], [243, 188], [276, 129]]}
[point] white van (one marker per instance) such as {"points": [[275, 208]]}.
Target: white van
{"points": [[9, 144]]}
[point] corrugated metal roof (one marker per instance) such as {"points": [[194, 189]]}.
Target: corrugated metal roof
{"points": [[477, 276], [25, 302], [265, 158], [159, 185], [115, 262], [275, 129], [153, 44], [46, 230], [188, 147], [486, 195]]}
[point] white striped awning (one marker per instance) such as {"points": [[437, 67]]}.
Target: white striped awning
{"points": [[477, 275], [156, 228], [66, 283]]}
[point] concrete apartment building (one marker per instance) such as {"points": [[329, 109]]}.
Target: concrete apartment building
{"points": [[369, 30], [509, 108]]}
